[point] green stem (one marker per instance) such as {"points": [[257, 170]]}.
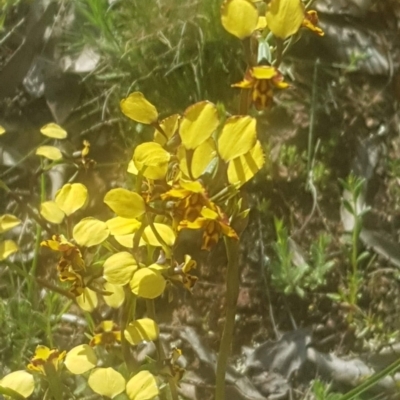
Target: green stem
{"points": [[151, 313], [312, 118], [128, 315], [55, 385], [371, 381], [32, 284], [232, 291]]}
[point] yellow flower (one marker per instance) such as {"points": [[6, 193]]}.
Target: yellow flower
{"points": [[71, 255], [71, 265], [106, 334], [311, 21], [181, 273], [214, 224], [44, 356], [262, 80], [190, 199]]}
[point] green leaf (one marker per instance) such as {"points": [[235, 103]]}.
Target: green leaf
{"points": [[50, 211], [144, 329], [53, 131], [119, 268], [143, 386], [50, 152], [106, 382], [7, 248], [8, 222], [147, 283], [152, 160], [87, 300], [19, 381], [71, 197], [80, 359], [123, 226], [165, 231], [139, 109], [117, 296], [125, 203], [90, 232]]}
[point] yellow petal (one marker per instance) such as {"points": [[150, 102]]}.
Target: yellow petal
{"points": [[147, 283], [152, 160], [71, 197], [117, 297], [80, 359], [165, 231], [136, 107], [42, 352], [193, 186], [50, 152], [87, 300], [53, 131], [202, 157], [264, 72], [144, 329], [238, 136], [181, 154], [125, 240], [169, 126], [284, 17], [7, 247], [199, 122], [20, 381], [262, 23], [125, 203], [2, 130], [243, 168], [209, 214], [239, 17], [50, 211], [119, 268], [123, 226], [106, 382], [132, 168], [7, 222], [143, 386], [90, 232]]}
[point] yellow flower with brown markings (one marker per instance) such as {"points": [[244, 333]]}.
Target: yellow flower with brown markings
{"points": [[262, 80], [106, 334], [46, 357], [214, 224], [190, 198], [310, 21]]}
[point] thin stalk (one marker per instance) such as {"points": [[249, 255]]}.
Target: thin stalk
{"points": [[128, 315], [354, 262], [312, 118], [371, 381], [151, 313], [35, 261], [232, 291], [55, 385]]}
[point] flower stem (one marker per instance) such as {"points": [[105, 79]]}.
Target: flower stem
{"points": [[232, 291], [151, 313], [128, 315], [32, 284], [55, 385]]}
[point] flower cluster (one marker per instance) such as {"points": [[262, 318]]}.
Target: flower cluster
{"points": [[273, 27]]}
